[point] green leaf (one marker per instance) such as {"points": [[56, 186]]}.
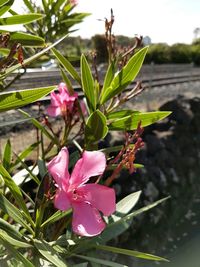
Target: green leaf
{"points": [[38, 125], [100, 261], [15, 191], [26, 39], [21, 98], [25, 153], [13, 241], [117, 227], [7, 123], [132, 253], [109, 76], [3, 2], [20, 19], [4, 8], [88, 84], [14, 213], [7, 155], [15, 253], [124, 206], [56, 216], [125, 76], [131, 122], [30, 59], [10, 230], [49, 253], [96, 128], [28, 5], [67, 82], [121, 114], [67, 65]]}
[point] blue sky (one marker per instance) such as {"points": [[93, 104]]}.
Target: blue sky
{"points": [[169, 21]]}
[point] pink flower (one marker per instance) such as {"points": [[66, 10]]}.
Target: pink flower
{"points": [[62, 102], [74, 192], [73, 2]]}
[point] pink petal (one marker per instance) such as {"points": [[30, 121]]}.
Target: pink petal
{"points": [[55, 101], [99, 196], [58, 168], [53, 111], [92, 163], [61, 200], [86, 220]]}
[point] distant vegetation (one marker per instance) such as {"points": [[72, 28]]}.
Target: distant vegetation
{"points": [[160, 53]]}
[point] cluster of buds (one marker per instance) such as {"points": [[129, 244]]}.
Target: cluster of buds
{"points": [[15, 48], [126, 156]]}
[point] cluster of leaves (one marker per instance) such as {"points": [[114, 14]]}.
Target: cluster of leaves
{"points": [[32, 232], [59, 18]]}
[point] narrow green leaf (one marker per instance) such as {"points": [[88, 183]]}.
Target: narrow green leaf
{"points": [[7, 123], [5, 7], [29, 171], [49, 253], [109, 76], [14, 213], [67, 82], [3, 2], [100, 261], [121, 114], [117, 227], [26, 39], [96, 128], [25, 153], [28, 5], [10, 230], [125, 76], [30, 59], [38, 125], [15, 191], [67, 65], [125, 205], [7, 155], [56, 216], [132, 253], [13, 241], [131, 122], [13, 100], [15, 253], [88, 84], [20, 19]]}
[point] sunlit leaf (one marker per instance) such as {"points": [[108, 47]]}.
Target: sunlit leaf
{"points": [[8, 208], [26, 39], [67, 65], [15, 253], [125, 76], [96, 127], [88, 84], [16, 99], [20, 19], [131, 122], [49, 253], [7, 155], [13, 241], [6, 6], [132, 253], [15, 191]]}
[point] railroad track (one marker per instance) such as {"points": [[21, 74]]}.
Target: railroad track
{"points": [[40, 78]]}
